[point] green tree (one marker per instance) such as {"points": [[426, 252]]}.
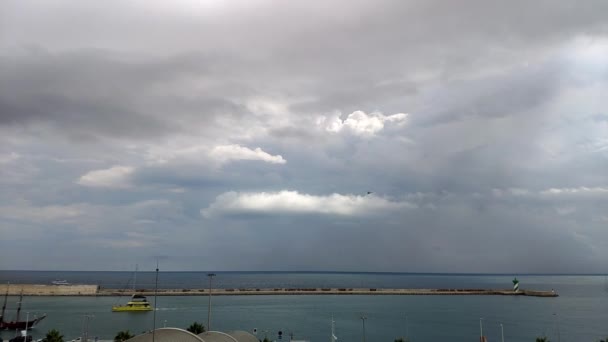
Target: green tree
{"points": [[196, 328], [123, 336], [53, 335], [542, 339]]}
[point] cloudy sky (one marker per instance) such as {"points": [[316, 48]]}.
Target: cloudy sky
{"points": [[410, 135]]}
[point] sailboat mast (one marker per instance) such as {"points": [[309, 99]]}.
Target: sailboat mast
{"points": [[19, 307], [135, 278], [5, 299]]}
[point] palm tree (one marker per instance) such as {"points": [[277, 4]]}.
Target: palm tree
{"points": [[123, 336], [542, 339], [196, 328], [53, 335]]}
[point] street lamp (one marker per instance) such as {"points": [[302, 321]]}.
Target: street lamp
{"points": [[155, 293], [407, 333], [85, 327], [210, 275], [557, 326], [363, 318]]}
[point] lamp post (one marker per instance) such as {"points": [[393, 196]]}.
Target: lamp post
{"points": [[407, 332], [85, 327], [502, 333], [481, 329], [210, 275], [363, 318], [557, 326], [155, 293]]}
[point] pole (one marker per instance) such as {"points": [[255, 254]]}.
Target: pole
{"points": [[363, 318], [155, 291], [84, 323], [210, 275], [557, 327], [480, 329], [85, 333], [407, 332], [135, 278], [502, 333], [27, 319]]}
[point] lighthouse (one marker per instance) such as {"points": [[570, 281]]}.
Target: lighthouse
{"points": [[515, 285]]}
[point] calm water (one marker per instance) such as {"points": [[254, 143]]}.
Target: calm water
{"points": [[579, 314]]}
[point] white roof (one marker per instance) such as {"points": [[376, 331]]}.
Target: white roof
{"points": [[181, 335]]}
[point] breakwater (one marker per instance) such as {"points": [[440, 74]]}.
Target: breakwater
{"points": [[49, 290], [95, 290]]}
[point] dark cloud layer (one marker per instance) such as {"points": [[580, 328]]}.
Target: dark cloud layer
{"points": [[479, 127]]}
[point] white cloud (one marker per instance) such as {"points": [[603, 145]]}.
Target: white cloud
{"points": [[200, 153], [228, 153], [294, 202], [580, 191], [360, 123], [114, 177], [9, 158], [50, 213], [553, 193]]}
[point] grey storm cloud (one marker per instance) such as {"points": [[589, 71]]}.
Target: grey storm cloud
{"points": [[427, 136]]}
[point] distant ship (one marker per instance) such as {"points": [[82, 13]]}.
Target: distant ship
{"points": [[60, 282], [137, 303], [16, 324]]}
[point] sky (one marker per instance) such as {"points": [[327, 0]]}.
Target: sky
{"points": [[392, 136]]}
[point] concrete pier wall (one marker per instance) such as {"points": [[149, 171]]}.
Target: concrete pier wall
{"points": [[49, 290], [95, 290], [333, 291]]}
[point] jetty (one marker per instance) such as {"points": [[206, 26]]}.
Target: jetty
{"points": [[96, 290]]}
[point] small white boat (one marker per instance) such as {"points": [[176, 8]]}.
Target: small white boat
{"points": [[60, 282]]}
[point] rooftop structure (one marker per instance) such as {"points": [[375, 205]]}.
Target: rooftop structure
{"points": [[180, 335]]}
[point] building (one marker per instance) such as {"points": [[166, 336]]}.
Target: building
{"points": [[181, 335]]}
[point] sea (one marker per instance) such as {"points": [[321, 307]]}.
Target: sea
{"points": [[580, 313]]}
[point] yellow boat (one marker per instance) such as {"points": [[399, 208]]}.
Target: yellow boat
{"points": [[136, 304]]}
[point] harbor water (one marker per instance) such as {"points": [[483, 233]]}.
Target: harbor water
{"points": [[580, 313]]}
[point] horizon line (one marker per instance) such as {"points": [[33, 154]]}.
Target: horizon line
{"points": [[330, 272]]}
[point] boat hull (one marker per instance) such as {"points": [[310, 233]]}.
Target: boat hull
{"points": [[130, 309], [20, 325]]}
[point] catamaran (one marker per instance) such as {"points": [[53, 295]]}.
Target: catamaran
{"points": [[138, 302]]}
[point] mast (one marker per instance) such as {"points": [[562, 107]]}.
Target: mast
{"points": [[135, 278], [333, 332], [5, 299], [19, 307]]}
